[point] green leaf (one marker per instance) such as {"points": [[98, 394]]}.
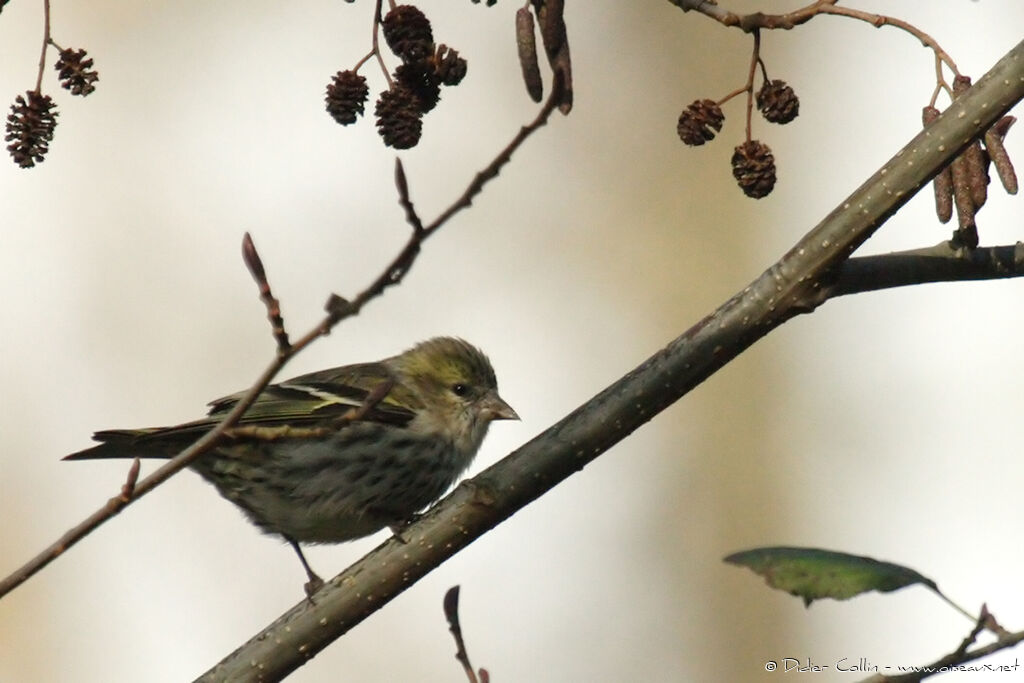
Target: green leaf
{"points": [[812, 573]]}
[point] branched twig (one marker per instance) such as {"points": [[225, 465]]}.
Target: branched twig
{"points": [[758, 20], [961, 655], [786, 289], [377, 18], [337, 308], [880, 20], [748, 87]]}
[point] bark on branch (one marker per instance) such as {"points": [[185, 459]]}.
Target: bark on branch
{"points": [[815, 269]]}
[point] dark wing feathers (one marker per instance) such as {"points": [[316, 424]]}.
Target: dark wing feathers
{"points": [[310, 400]]}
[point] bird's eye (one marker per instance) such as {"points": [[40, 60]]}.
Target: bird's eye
{"points": [[460, 389]]}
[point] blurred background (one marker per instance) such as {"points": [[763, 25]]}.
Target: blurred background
{"points": [[885, 424]]}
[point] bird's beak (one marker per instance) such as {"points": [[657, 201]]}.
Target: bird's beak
{"points": [[493, 407]]}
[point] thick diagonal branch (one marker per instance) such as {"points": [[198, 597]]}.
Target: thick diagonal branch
{"points": [[786, 289]]}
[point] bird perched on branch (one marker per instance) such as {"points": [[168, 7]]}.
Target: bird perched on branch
{"points": [[339, 454]]}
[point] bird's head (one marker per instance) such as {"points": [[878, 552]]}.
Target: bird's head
{"points": [[456, 387]]}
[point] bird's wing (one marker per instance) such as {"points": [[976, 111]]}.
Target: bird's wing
{"points": [[324, 396], [317, 400]]}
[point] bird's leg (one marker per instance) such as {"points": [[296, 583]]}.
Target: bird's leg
{"points": [[315, 583]]}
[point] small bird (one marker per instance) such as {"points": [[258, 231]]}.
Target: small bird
{"points": [[339, 454]]}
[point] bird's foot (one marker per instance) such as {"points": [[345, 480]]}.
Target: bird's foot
{"points": [[399, 528], [314, 584]]}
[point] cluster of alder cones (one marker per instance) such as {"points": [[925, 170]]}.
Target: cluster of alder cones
{"points": [[33, 117], [753, 165], [415, 86]]}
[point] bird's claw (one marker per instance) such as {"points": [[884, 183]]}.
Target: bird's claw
{"points": [[399, 528], [314, 584]]}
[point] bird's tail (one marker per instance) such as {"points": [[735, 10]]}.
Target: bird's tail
{"points": [[135, 443]]}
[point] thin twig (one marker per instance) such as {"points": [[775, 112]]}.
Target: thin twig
{"points": [[255, 265], [369, 55], [749, 22], [400, 265], [128, 488], [758, 20], [402, 184], [940, 83], [373, 398], [503, 157], [46, 45], [755, 57], [748, 87], [972, 637], [960, 656], [451, 613], [880, 20], [376, 43]]}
